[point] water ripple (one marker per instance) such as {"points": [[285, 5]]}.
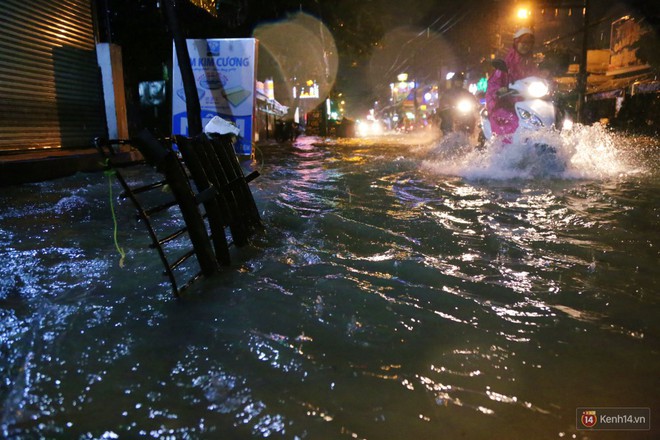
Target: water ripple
{"points": [[386, 297]]}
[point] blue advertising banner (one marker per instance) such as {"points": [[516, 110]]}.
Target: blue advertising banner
{"points": [[224, 71]]}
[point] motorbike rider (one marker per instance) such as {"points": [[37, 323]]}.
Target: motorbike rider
{"points": [[520, 64], [449, 102]]}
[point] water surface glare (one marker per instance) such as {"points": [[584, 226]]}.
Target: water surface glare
{"points": [[400, 291]]}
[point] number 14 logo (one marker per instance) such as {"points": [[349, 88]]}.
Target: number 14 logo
{"points": [[588, 419]]}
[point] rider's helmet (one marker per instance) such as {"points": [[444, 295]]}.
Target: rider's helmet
{"points": [[523, 31], [457, 80], [523, 40]]}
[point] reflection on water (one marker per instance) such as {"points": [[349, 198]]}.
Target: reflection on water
{"points": [[400, 291]]}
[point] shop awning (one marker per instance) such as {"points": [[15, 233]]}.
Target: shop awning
{"points": [[606, 87], [270, 106], [614, 84]]}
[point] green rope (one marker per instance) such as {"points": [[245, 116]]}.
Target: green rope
{"points": [[110, 172]]}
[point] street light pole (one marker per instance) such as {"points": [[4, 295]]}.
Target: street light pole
{"points": [[582, 74]]}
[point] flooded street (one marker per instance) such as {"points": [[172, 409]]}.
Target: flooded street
{"points": [[401, 290]]}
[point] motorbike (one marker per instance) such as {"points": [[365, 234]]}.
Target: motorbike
{"points": [[535, 111], [461, 116]]}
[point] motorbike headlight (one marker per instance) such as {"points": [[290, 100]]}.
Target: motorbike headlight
{"points": [[537, 89], [464, 106], [363, 128]]}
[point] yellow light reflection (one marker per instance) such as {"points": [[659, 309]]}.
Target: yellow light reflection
{"points": [[523, 13]]}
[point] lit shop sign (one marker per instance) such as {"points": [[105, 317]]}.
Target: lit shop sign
{"points": [[224, 71], [310, 91]]}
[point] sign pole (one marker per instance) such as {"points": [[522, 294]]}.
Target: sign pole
{"points": [[193, 107]]}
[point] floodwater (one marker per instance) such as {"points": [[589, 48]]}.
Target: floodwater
{"points": [[402, 290]]}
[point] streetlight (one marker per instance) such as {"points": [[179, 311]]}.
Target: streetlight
{"points": [[523, 13], [524, 16]]}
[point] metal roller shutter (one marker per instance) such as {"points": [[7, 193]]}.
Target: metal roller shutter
{"points": [[50, 89]]}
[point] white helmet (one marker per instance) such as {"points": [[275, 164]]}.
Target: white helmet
{"points": [[523, 31]]}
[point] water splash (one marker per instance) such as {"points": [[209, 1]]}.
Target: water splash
{"points": [[584, 152]]}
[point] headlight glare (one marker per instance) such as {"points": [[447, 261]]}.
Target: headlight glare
{"points": [[537, 89], [464, 106]]}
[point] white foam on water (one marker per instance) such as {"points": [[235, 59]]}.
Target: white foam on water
{"points": [[584, 152]]}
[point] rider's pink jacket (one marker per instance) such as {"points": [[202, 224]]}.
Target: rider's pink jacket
{"points": [[501, 113]]}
